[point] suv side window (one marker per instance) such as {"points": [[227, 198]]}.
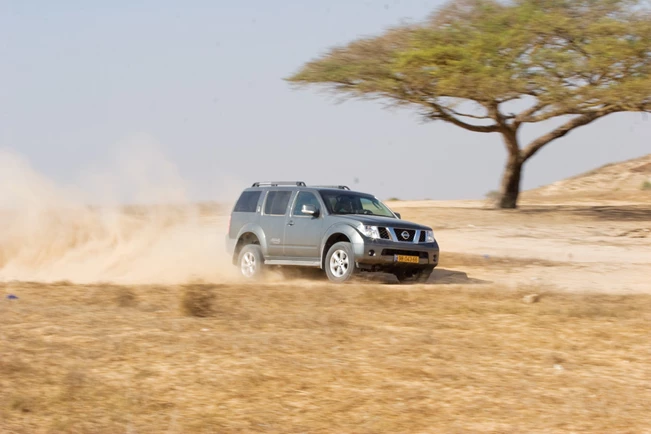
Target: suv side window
{"points": [[304, 198], [247, 202], [277, 202]]}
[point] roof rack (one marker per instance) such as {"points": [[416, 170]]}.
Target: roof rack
{"points": [[277, 183], [340, 187]]}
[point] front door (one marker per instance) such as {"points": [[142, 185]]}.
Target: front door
{"points": [[273, 221], [303, 231]]}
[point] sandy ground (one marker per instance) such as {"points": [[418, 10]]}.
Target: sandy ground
{"points": [[604, 247]]}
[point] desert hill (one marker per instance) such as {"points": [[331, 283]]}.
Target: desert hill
{"points": [[625, 180]]}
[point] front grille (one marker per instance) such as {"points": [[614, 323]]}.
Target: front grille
{"points": [[399, 234], [391, 252], [384, 233], [423, 237]]}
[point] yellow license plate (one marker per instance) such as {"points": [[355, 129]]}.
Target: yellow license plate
{"points": [[409, 259]]}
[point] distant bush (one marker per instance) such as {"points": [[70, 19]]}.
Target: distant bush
{"points": [[493, 195], [646, 186], [393, 199], [198, 300], [125, 297]]}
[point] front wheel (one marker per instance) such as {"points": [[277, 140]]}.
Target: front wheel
{"points": [[340, 262], [414, 275], [251, 261]]}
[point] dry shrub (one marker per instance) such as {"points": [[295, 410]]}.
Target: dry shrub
{"points": [[73, 383], [11, 365], [125, 297], [198, 300], [492, 198], [23, 404]]}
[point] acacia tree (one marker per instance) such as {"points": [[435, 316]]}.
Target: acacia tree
{"points": [[492, 67]]}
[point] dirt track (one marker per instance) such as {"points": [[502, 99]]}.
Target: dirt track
{"points": [[583, 247]]}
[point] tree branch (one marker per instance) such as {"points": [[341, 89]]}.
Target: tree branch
{"points": [[582, 109], [577, 47], [559, 132], [441, 113], [525, 115], [549, 115], [456, 113]]}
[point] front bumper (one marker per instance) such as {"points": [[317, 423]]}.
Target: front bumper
{"points": [[373, 253]]}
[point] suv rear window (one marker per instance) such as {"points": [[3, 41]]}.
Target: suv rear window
{"points": [[277, 202], [247, 201]]}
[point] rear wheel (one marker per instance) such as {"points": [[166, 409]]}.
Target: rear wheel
{"points": [[414, 275], [340, 262], [251, 261]]}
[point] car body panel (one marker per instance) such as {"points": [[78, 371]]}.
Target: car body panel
{"points": [[303, 236], [343, 228]]}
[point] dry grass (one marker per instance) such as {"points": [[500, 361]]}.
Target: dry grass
{"points": [[298, 357]]}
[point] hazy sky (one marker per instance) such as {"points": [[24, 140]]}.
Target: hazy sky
{"points": [[203, 79]]}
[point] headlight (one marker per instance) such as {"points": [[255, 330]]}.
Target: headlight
{"points": [[370, 231], [430, 236]]}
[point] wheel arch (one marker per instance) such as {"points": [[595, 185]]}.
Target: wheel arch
{"points": [[248, 235], [335, 234]]}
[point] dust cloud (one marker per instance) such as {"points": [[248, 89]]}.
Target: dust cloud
{"points": [[86, 233]]}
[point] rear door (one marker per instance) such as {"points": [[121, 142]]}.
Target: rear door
{"points": [[273, 220]]}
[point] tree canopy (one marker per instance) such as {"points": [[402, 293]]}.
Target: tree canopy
{"points": [[472, 61]]}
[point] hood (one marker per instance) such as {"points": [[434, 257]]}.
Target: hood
{"points": [[380, 221]]}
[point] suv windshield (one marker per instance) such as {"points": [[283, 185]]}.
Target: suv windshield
{"points": [[352, 203]]}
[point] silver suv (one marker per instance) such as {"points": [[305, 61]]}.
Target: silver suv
{"points": [[329, 227]]}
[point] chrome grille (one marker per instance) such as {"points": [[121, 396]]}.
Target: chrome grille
{"points": [[384, 233], [404, 235]]}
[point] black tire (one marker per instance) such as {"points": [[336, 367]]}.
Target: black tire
{"points": [[340, 262], [251, 262], [414, 275]]}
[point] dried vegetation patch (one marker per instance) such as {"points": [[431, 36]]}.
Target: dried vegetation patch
{"points": [[305, 357]]}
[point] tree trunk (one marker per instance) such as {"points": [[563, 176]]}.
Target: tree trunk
{"points": [[511, 182]]}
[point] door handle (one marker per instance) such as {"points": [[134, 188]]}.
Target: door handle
{"points": [[290, 223]]}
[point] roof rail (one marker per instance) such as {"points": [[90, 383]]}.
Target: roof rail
{"points": [[340, 187], [277, 183]]}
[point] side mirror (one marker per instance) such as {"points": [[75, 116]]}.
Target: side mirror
{"points": [[310, 210], [398, 215]]}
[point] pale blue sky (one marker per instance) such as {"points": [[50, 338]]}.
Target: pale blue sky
{"points": [[204, 79]]}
